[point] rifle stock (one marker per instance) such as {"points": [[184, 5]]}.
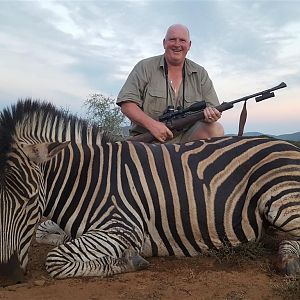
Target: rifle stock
{"points": [[180, 122]]}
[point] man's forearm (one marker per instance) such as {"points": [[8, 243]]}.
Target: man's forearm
{"points": [[136, 115], [158, 129]]}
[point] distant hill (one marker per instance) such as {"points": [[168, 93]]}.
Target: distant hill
{"points": [[253, 133], [287, 137]]}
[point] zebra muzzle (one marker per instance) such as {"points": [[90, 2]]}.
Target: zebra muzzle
{"points": [[11, 271]]}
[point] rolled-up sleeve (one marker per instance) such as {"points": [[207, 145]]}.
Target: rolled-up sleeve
{"points": [[208, 90], [133, 87]]}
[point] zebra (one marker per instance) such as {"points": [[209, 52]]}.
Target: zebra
{"points": [[111, 204]]}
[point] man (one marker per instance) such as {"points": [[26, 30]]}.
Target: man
{"points": [[170, 79]]}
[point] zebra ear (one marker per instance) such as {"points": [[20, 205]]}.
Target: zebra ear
{"points": [[40, 153]]}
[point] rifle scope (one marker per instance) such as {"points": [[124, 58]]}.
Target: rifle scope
{"points": [[171, 113]]}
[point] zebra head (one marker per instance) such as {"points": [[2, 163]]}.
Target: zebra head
{"points": [[31, 133], [22, 199]]}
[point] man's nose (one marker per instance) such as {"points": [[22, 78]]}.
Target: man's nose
{"points": [[177, 42]]}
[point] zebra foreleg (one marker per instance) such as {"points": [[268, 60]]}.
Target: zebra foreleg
{"points": [[95, 253], [50, 233], [284, 214], [289, 258]]}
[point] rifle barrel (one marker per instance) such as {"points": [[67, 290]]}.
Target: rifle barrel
{"points": [[265, 92]]}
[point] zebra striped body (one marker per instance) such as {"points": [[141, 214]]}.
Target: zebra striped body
{"points": [[118, 199], [180, 193]]}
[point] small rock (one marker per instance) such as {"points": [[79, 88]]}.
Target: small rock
{"points": [[16, 286], [39, 282]]}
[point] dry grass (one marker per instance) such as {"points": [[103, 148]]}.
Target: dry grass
{"points": [[289, 287], [240, 254], [261, 253]]}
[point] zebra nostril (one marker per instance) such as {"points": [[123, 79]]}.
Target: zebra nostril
{"points": [[11, 271]]}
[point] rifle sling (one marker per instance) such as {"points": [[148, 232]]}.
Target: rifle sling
{"points": [[243, 118]]}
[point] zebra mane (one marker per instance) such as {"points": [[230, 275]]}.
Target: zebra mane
{"points": [[27, 113]]}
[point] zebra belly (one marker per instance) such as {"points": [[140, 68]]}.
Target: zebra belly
{"points": [[160, 244]]}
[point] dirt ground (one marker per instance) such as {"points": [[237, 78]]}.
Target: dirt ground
{"points": [[166, 278]]}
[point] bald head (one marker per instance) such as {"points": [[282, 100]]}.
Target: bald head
{"points": [[177, 27]]}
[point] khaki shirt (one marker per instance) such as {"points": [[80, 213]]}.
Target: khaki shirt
{"points": [[146, 86]]}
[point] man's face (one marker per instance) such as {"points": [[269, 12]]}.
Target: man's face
{"points": [[176, 45]]}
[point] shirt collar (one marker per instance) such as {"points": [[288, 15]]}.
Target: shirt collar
{"points": [[161, 62], [190, 68]]}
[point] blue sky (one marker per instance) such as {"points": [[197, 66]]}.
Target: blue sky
{"points": [[63, 51]]}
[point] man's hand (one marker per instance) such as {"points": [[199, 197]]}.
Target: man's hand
{"points": [[211, 114], [160, 131]]}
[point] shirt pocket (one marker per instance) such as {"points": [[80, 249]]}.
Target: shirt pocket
{"points": [[193, 92], [191, 99], [155, 102]]}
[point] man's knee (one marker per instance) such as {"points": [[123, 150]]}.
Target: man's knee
{"points": [[216, 129], [207, 130]]}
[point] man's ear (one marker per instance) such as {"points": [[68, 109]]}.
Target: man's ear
{"points": [[164, 42], [40, 153]]}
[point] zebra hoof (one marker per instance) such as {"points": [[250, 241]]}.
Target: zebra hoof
{"points": [[289, 265], [135, 261]]}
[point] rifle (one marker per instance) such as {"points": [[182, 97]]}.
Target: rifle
{"points": [[180, 118]]}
